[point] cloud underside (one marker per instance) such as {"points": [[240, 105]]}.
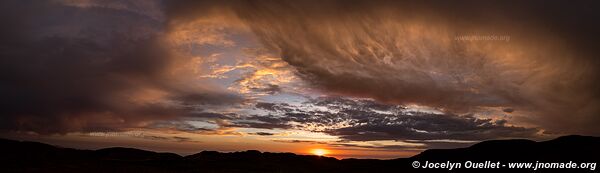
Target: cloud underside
{"points": [[360, 120], [69, 69], [407, 52], [94, 67], [367, 120]]}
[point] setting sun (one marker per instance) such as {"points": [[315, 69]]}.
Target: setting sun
{"points": [[320, 152], [299, 86]]}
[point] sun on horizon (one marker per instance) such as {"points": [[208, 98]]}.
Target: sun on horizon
{"points": [[319, 151]]}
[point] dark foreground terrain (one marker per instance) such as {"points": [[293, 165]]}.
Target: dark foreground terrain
{"points": [[38, 157]]}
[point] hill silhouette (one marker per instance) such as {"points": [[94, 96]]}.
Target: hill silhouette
{"points": [[22, 156]]}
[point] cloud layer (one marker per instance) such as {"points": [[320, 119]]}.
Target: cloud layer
{"points": [[367, 120], [407, 52], [66, 68], [71, 66]]}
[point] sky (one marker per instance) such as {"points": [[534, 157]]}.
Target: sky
{"points": [[355, 79]]}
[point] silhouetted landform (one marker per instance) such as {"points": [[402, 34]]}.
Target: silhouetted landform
{"points": [[38, 157], [575, 148]]}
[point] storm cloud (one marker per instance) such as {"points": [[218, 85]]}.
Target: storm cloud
{"points": [[413, 52], [367, 120], [69, 67], [73, 66]]}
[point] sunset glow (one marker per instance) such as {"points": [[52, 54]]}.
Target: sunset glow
{"points": [[319, 152], [374, 79]]}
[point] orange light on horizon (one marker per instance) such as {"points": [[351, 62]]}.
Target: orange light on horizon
{"points": [[319, 151]]}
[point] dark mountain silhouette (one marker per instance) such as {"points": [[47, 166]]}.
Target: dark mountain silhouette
{"points": [[567, 148], [20, 156]]}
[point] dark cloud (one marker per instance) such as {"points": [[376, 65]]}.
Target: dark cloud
{"points": [[264, 134], [204, 97], [432, 126], [281, 107], [66, 68], [266, 106], [268, 89], [168, 138], [107, 66], [211, 115], [508, 110], [300, 141], [365, 120], [407, 51], [178, 126], [278, 124]]}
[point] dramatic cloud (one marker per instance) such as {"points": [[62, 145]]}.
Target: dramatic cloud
{"points": [[432, 54], [365, 120], [376, 74], [73, 67], [263, 73]]}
